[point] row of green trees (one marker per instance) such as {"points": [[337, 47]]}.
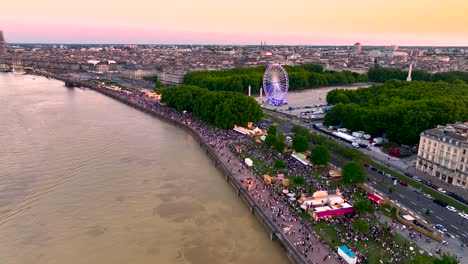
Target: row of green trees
{"points": [[382, 75], [221, 108], [300, 77], [399, 110]]}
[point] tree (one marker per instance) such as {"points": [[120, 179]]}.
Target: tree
{"points": [[361, 226], [279, 146], [272, 130], [446, 259], [320, 155], [363, 207], [353, 173], [300, 143], [279, 164], [270, 140], [281, 136], [299, 180]]}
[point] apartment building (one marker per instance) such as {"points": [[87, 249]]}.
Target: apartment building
{"points": [[443, 153]]}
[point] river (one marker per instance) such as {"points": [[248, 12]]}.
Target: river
{"points": [[86, 179]]}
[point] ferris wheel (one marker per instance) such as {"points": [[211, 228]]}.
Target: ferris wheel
{"points": [[275, 84]]}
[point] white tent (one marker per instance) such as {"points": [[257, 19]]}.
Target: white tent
{"points": [[249, 162]]}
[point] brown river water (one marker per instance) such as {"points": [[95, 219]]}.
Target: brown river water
{"points": [[86, 179]]}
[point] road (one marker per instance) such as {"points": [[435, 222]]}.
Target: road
{"points": [[416, 202]]}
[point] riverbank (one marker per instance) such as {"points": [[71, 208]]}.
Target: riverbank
{"points": [[215, 143]]}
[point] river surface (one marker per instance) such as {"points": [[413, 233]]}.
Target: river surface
{"points": [[86, 179]]}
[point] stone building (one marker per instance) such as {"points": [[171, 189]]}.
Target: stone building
{"points": [[443, 153]]}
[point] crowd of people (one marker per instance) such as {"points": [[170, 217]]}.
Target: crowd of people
{"points": [[283, 212]]}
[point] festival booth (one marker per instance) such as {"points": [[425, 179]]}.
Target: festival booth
{"points": [[322, 204], [347, 254], [334, 174], [376, 198], [267, 179], [249, 131], [301, 158]]}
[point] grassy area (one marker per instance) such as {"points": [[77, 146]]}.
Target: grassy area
{"points": [[372, 249], [421, 186], [274, 118]]}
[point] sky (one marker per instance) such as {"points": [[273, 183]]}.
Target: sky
{"points": [[237, 22]]}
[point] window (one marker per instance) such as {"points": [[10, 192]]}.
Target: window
{"points": [[449, 148], [455, 151], [454, 157], [463, 159], [464, 151]]}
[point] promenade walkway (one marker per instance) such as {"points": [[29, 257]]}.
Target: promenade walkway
{"points": [[301, 236]]}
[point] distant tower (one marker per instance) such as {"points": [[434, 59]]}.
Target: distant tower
{"points": [[376, 63], [2, 44], [408, 79], [357, 48]]}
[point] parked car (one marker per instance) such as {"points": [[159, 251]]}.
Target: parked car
{"points": [[441, 190], [408, 174], [428, 183], [439, 202], [428, 196], [403, 183], [374, 169], [416, 178], [434, 186], [365, 165], [356, 145], [441, 228], [451, 208]]}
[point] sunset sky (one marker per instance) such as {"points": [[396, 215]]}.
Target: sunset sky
{"points": [[303, 22]]}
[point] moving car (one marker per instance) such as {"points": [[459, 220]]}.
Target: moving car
{"points": [[464, 215], [403, 183], [428, 196], [451, 208], [441, 228], [439, 202]]}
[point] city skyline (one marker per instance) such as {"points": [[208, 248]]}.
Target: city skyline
{"points": [[296, 22]]}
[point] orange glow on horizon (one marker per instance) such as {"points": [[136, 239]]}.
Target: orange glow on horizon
{"points": [[311, 22]]}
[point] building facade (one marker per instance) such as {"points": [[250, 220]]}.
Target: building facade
{"points": [[443, 153]]}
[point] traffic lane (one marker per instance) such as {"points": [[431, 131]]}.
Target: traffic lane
{"points": [[439, 215]]}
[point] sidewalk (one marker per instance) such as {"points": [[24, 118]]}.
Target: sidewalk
{"points": [[453, 247]]}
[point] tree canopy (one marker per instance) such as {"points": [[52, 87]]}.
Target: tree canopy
{"points": [[223, 109], [300, 77], [300, 143], [364, 206], [353, 173], [399, 110], [320, 155], [382, 75]]}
